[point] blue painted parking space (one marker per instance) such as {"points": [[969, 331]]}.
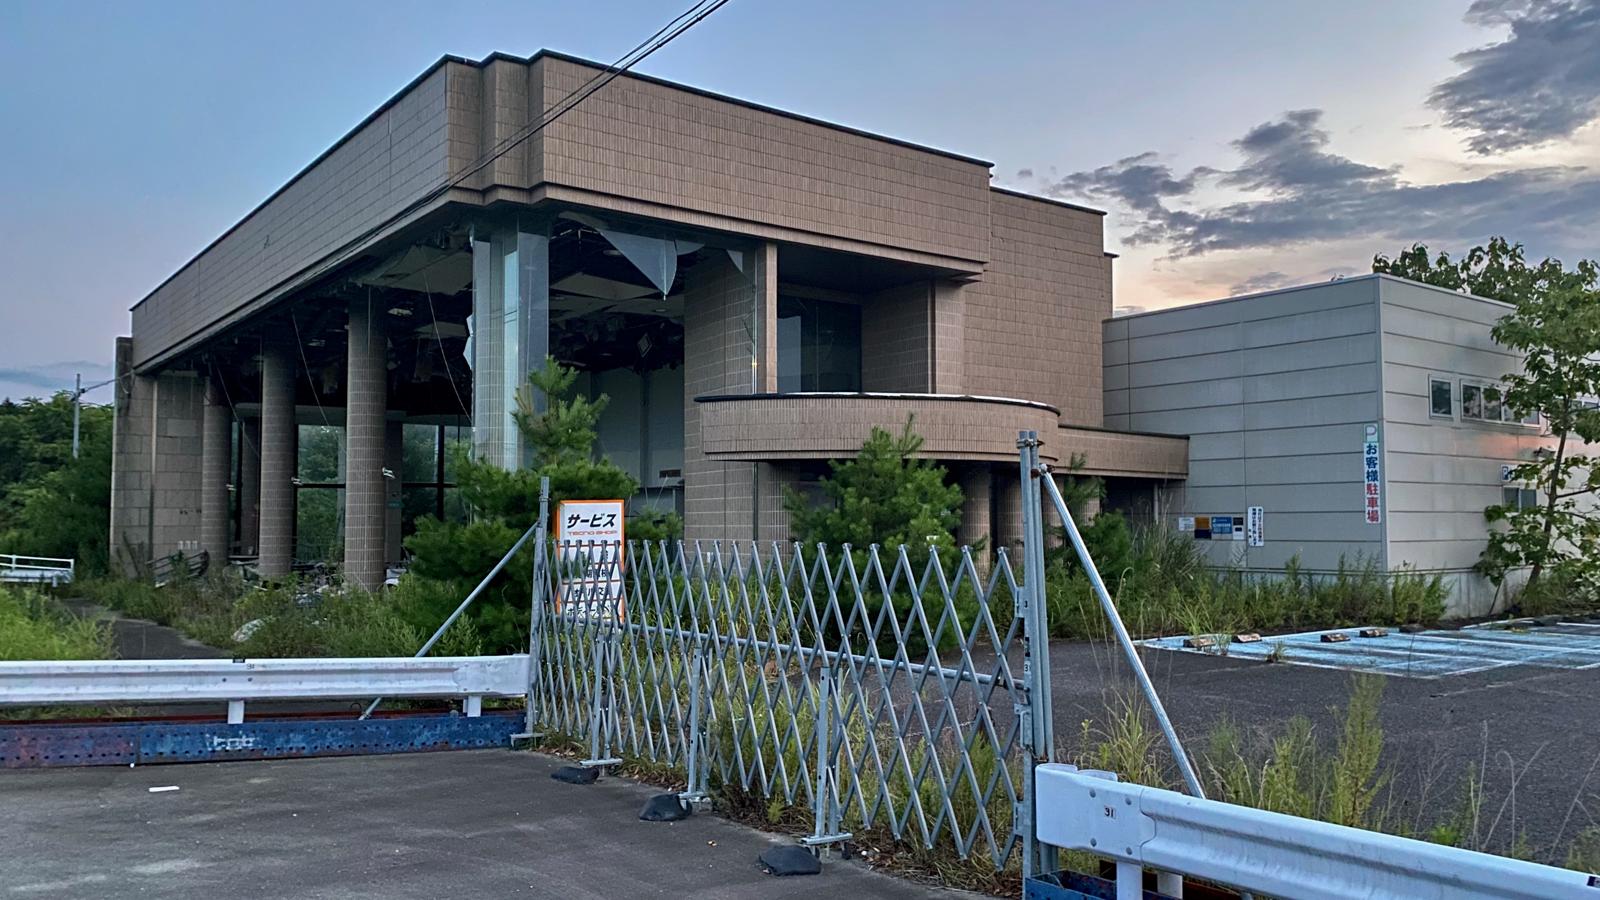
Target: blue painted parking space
{"points": [[1428, 654]]}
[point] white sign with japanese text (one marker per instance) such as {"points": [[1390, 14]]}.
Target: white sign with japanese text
{"points": [[1373, 481], [1255, 525], [590, 538]]}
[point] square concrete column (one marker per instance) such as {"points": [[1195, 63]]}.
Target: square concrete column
{"points": [[730, 347], [1008, 516], [365, 507], [275, 544], [249, 487], [216, 456], [977, 495]]}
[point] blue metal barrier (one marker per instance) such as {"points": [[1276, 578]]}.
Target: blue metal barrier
{"points": [[46, 745]]}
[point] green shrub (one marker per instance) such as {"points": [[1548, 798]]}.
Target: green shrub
{"points": [[1584, 854], [1558, 592], [505, 503], [205, 608]]}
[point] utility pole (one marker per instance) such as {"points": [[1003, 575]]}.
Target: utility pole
{"points": [[77, 405]]}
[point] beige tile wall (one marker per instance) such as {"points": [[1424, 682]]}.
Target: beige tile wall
{"points": [[159, 415], [1033, 320], [896, 338], [652, 142], [720, 497], [823, 427]]}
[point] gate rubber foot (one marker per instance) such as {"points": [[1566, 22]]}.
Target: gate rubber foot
{"points": [[665, 808], [576, 775], [789, 859]]}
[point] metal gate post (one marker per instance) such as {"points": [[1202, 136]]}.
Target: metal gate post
{"points": [[536, 612], [695, 791], [1039, 727], [825, 816], [602, 712]]}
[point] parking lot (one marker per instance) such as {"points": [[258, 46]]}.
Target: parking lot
{"points": [[1521, 707]]}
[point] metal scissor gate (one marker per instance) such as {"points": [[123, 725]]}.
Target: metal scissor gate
{"points": [[884, 690], [900, 691]]}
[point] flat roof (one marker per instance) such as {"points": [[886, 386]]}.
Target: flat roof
{"points": [[1012, 192], [1368, 276]]}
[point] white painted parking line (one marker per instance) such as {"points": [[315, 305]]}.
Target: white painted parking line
{"points": [[1429, 654]]}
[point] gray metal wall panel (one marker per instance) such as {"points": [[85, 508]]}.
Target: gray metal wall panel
{"points": [[1442, 472], [1312, 383], [1275, 391], [1182, 370]]}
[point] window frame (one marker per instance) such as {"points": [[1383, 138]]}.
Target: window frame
{"points": [[1527, 498], [1478, 386], [1449, 383], [1506, 415]]}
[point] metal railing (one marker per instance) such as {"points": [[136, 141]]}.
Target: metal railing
{"points": [[1272, 853], [241, 680], [49, 570]]}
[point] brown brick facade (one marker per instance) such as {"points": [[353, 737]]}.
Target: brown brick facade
{"points": [[968, 292], [1033, 319]]}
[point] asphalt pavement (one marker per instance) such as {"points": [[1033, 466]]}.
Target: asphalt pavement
{"points": [[486, 823], [141, 638]]}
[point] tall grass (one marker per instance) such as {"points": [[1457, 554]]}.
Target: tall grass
{"points": [[223, 611], [35, 626], [1166, 585], [1346, 779]]}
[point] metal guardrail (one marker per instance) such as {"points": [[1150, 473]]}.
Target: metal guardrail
{"points": [[1270, 853], [236, 681], [15, 569]]}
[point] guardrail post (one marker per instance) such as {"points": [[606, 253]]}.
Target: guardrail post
{"points": [[1130, 881], [235, 712], [473, 706]]}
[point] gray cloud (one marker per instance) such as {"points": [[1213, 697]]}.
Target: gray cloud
{"points": [[1540, 83], [1268, 281], [1264, 281], [1311, 194], [46, 379]]}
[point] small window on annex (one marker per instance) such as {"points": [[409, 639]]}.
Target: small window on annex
{"points": [[1472, 402], [1520, 498], [1493, 408], [819, 345], [1441, 398]]}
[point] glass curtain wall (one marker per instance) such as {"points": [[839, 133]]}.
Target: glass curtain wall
{"points": [[819, 345], [622, 302], [510, 327]]}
